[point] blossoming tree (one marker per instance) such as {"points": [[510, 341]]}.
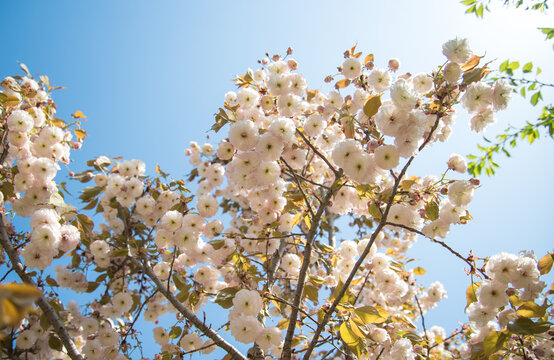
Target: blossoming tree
{"points": [[293, 162]]}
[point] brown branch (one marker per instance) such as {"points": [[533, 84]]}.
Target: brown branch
{"points": [[443, 244], [48, 311], [189, 315], [314, 226]]}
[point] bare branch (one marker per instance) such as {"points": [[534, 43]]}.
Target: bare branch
{"points": [[443, 244]]}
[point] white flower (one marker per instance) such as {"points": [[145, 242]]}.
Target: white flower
{"points": [[477, 97], [269, 337], [492, 294], [457, 163], [245, 328], [460, 193], [20, 121], [231, 98], [291, 264], [248, 98], [247, 302], [402, 350], [161, 270], [269, 147], [344, 151], [436, 228], [387, 157], [379, 79], [122, 302], [501, 95], [190, 342], [457, 50], [403, 96], [351, 68], [452, 72], [423, 83], [207, 206], [243, 135], [225, 150], [389, 119], [161, 336], [479, 122], [502, 267]]}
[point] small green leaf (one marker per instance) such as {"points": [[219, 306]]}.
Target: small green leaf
{"points": [[527, 68], [175, 332], [225, 297], [504, 66]]}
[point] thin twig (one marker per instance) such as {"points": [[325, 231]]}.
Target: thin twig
{"points": [[423, 324], [443, 244], [324, 158], [300, 188]]}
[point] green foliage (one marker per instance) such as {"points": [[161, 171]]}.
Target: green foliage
{"points": [[508, 140], [478, 7]]}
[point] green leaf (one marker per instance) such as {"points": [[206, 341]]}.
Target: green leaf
{"points": [[432, 210], [530, 309], [347, 335], [311, 293], [494, 342], [471, 296], [55, 343], [527, 68], [371, 315], [524, 326], [504, 66], [225, 297], [371, 105], [536, 97], [175, 332], [56, 199], [513, 65]]}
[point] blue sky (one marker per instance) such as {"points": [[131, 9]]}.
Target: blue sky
{"points": [[150, 75]]}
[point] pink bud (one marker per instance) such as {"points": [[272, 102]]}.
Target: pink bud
{"points": [[394, 64]]}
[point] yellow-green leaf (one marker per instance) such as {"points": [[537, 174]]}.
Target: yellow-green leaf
{"points": [[494, 342], [419, 271], [530, 309], [347, 335], [371, 315], [372, 105], [545, 263], [471, 296]]}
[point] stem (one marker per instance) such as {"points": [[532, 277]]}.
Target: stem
{"points": [[423, 324], [48, 311]]}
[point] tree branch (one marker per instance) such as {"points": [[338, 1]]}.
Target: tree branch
{"points": [[218, 340], [443, 244], [48, 311], [287, 350]]}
